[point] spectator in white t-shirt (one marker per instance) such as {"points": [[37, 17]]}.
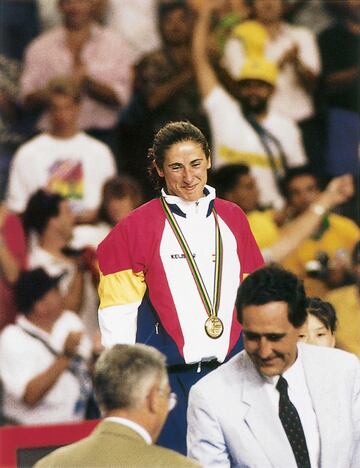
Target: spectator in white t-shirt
{"points": [[294, 49], [63, 160], [43, 356], [245, 129]]}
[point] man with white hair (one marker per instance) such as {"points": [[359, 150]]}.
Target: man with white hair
{"points": [[132, 388]]}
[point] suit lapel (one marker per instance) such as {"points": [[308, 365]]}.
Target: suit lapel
{"points": [[326, 409], [263, 422]]}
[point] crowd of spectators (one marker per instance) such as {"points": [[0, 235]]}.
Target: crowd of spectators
{"points": [[85, 85]]}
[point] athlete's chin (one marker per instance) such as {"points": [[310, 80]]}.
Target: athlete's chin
{"points": [[191, 194]]}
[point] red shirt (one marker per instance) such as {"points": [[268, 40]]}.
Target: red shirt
{"points": [[14, 237]]}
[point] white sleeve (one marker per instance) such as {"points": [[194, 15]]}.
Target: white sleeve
{"points": [[118, 324], [234, 57], [205, 440], [355, 461], [293, 146], [108, 166], [309, 50], [19, 187], [17, 366]]}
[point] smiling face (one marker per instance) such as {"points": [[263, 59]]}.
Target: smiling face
{"points": [[185, 170], [269, 338]]}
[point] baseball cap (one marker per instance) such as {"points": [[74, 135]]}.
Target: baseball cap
{"points": [[253, 35], [32, 285], [259, 68]]}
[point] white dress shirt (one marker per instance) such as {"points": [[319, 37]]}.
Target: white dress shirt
{"points": [[132, 425], [301, 399]]}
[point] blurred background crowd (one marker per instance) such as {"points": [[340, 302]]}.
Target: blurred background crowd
{"points": [[85, 85]]}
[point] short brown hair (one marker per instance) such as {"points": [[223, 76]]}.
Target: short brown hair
{"points": [[63, 85]]}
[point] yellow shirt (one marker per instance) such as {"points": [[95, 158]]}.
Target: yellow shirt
{"points": [[346, 301], [264, 228], [342, 234]]}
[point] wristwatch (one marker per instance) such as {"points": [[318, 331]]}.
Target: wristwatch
{"points": [[318, 209]]}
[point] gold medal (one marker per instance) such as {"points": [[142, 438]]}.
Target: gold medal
{"points": [[214, 327]]}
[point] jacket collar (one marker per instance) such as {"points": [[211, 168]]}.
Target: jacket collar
{"points": [[132, 425], [108, 426], [184, 208]]}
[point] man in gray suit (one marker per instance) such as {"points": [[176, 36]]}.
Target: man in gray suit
{"points": [[132, 387], [277, 403]]}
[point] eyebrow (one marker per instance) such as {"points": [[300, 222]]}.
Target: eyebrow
{"points": [[267, 335], [181, 164]]}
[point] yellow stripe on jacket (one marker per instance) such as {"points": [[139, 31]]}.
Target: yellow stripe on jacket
{"points": [[123, 287]]}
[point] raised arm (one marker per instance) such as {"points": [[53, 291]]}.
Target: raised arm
{"points": [[205, 74], [338, 191]]}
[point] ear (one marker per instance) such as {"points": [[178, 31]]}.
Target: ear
{"points": [[208, 163], [159, 170], [153, 399]]}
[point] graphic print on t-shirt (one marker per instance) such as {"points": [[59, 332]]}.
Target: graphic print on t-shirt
{"points": [[66, 177]]}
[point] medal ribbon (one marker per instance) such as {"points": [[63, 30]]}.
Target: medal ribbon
{"points": [[211, 308]]}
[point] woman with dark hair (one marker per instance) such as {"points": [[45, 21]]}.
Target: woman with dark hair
{"points": [[169, 272], [120, 195], [319, 328]]}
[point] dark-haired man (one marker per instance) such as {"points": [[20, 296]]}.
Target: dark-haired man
{"points": [[335, 237], [244, 129], [277, 403], [44, 379], [236, 183], [294, 49], [165, 76]]}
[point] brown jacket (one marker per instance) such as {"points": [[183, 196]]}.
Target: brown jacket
{"points": [[114, 445]]}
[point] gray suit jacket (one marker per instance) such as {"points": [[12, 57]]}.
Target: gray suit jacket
{"points": [[231, 421], [114, 445]]}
